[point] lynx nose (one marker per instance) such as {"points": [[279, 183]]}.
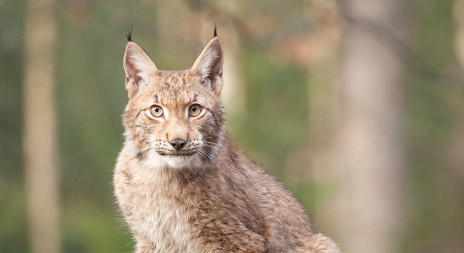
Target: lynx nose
{"points": [[178, 143]]}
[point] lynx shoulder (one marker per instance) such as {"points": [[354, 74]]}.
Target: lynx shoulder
{"points": [[180, 182]]}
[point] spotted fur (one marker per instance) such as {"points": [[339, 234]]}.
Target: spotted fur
{"points": [[206, 196]]}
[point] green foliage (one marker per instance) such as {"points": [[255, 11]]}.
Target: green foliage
{"points": [[276, 118], [10, 89], [91, 228], [90, 98], [431, 121], [13, 237]]}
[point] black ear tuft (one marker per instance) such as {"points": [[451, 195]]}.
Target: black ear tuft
{"points": [[129, 35], [215, 31]]}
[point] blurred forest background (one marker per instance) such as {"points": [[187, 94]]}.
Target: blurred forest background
{"points": [[357, 106]]}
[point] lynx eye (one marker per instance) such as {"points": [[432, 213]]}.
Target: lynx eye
{"points": [[195, 110], [155, 111]]}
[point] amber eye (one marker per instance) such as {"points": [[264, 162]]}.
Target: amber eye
{"points": [[156, 111], [195, 110]]}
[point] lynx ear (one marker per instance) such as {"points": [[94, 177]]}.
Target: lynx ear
{"points": [[138, 67], [209, 65]]}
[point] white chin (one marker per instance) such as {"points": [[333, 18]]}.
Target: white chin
{"points": [[178, 162], [157, 161]]}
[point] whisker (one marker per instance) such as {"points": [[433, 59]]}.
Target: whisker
{"points": [[202, 153], [209, 146], [209, 142], [206, 155]]}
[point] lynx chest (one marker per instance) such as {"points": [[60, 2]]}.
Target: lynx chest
{"points": [[155, 208]]}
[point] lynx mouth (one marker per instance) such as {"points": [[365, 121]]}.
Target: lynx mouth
{"points": [[177, 154]]}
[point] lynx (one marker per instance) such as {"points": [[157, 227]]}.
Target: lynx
{"points": [[181, 183]]}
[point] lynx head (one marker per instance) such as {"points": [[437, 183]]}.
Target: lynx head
{"points": [[174, 119]]}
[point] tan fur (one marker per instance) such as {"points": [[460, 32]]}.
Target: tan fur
{"points": [[212, 199]]}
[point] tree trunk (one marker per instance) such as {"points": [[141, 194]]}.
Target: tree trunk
{"points": [[367, 212], [40, 154]]}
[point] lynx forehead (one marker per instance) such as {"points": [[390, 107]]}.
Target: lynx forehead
{"points": [[181, 183]]}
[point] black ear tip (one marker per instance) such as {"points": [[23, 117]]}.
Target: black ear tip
{"points": [[129, 35], [215, 31]]}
